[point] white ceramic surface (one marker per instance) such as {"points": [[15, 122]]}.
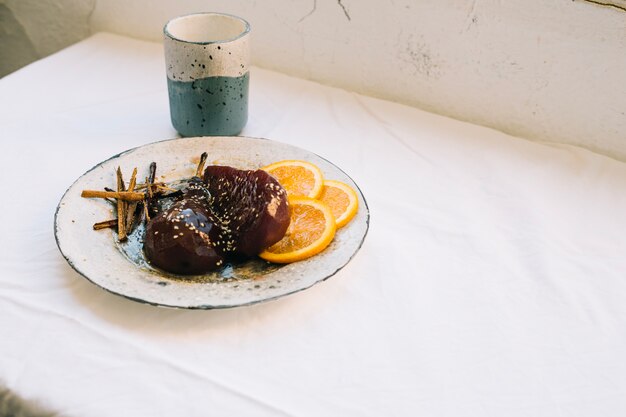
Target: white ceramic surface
{"points": [[100, 258]]}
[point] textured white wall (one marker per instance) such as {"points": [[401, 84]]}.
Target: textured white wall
{"points": [[33, 29], [544, 70]]}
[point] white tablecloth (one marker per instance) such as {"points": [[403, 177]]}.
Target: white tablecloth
{"points": [[492, 281]]}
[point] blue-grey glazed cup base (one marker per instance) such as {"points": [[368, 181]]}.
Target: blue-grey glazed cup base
{"points": [[213, 106]]}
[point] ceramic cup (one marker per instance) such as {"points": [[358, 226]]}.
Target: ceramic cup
{"points": [[207, 58]]}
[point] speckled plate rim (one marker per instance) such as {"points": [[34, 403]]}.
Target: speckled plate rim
{"points": [[363, 218]]}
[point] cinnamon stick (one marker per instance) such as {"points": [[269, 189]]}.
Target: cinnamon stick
{"points": [[105, 224], [131, 206], [173, 194], [152, 173], [133, 180], [161, 187], [120, 195], [121, 207], [151, 207], [201, 164], [145, 212]]}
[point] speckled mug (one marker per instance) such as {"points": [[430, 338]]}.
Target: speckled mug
{"points": [[207, 58]]}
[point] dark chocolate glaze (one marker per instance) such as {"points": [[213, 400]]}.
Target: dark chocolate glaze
{"points": [[230, 214], [252, 205], [184, 239]]}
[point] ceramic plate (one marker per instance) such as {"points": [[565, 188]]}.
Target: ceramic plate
{"points": [[121, 267]]}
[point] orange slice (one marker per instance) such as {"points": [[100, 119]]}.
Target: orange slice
{"points": [[310, 231], [298, 178], [341, 199]]}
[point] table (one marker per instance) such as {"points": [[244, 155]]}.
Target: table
{"points": [[491, 283]]}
